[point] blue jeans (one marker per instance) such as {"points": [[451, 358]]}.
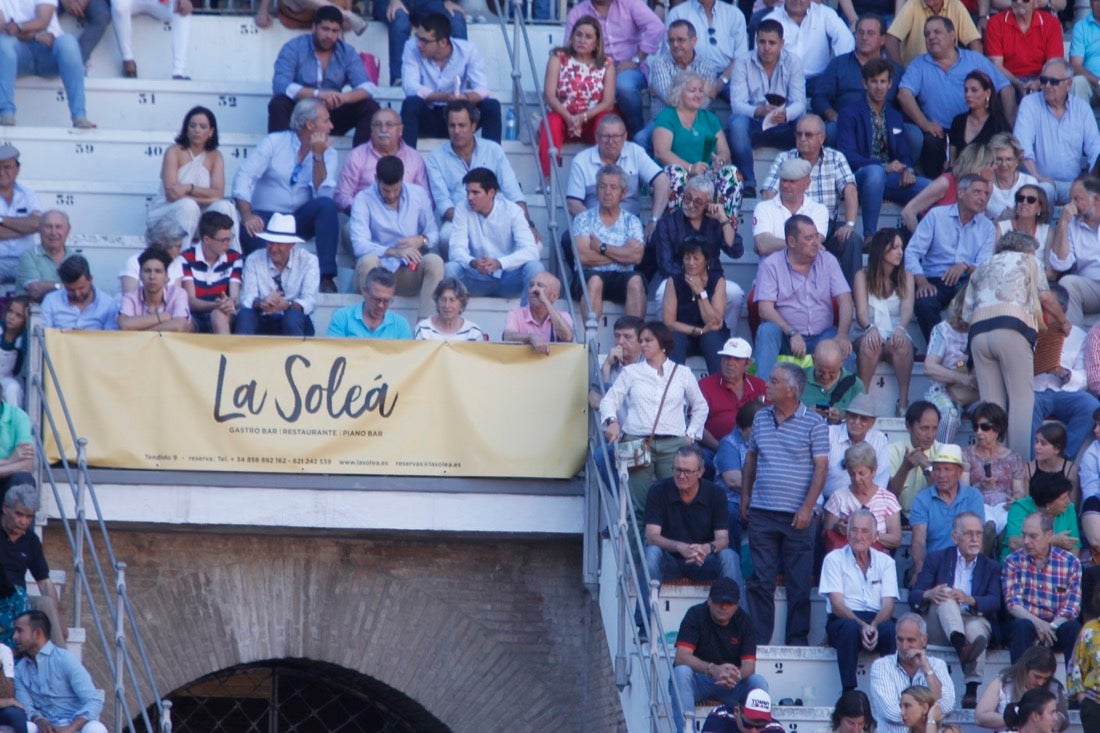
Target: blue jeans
{"points": [[1073, 408], [31, 58], [629, 86], [1022, 636], [770, 343], [317, 219], [875, 186], [510, 284], [425, 120], [97, 16], [15, 717], [845, 635], [707, 345], [400, 29], [663, 565], [691, 686], [288, 323], [644, 137], [745, 133]]}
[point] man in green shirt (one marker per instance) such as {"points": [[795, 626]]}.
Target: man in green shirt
{"points": [[829, 386]]}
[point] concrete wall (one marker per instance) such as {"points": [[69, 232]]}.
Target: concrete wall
{"points": [[486, 636]]}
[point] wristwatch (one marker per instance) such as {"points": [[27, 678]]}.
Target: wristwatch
{"points": [[850, 224], [603, 248], [703, 295], [637, 59], [791, 333], [713, 549]]}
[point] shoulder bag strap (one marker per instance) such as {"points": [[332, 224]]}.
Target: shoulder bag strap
{"points": [[653, 432]]}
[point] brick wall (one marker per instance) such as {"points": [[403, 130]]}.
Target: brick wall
{"points": [[493, 635]]}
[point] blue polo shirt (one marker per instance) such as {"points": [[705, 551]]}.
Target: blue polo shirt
{"points": [[348, 323], [928, 508], [940, 92], [1086, 42]]}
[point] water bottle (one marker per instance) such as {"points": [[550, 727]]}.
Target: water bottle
{"points": [[510, 131]]}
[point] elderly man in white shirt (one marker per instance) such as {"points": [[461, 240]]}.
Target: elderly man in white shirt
{"points": [[910, 665], [1075, 249], [858, 427], [293, 172], [493, 251]]}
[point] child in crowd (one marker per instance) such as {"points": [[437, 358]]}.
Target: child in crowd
{"points": [[13, 349]]}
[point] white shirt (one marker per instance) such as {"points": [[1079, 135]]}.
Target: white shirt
{"points": [[964, 574], [839, 442], [769, 216], [636, 164], [862, 591], [822, 31], [503, 235], [24, 202], [1084, 251], [729, 31], [22, 11], [643, 386], [888, 679], [1073, 359], [264, 176]]}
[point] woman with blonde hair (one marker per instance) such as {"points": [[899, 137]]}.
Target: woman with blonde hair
{"points": [[919, 711]]}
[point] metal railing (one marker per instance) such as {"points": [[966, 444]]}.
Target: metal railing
{"points": [[95, 571]]}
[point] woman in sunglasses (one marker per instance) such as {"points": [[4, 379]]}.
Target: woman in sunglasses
{"points": [[992, 468], [1031, 216], [1008, 176]]}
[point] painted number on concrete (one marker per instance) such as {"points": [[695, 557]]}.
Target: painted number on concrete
{"points": [[65, 199], [227, 100], [779, 667], [241, 153], [60, 95], [249, 29], [154, 151], [147, 98], [84, 148]]}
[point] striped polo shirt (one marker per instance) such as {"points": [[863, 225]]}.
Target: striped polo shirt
{"points": [[211, 281], [785, 457]]}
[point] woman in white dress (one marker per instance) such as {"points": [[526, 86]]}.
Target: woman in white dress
{"points": [[884, 294], [192, 177]]}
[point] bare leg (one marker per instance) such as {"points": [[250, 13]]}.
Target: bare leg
{"points": [[867, 360], [902, 361], [635, 297]]}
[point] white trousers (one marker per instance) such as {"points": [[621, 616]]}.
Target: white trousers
{"points": [[122, 12]]}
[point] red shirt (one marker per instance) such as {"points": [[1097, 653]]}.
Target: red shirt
{"points": [[1024, 53], [724, 404]]}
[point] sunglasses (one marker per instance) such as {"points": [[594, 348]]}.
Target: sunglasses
{"points": [[985, 427], [711, 37], [1050, 81], [1026, 199], [695, 201]]}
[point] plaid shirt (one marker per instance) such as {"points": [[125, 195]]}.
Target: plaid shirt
{"points": [[1049, 591], [827, 179]]}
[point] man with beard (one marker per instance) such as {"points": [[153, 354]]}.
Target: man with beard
{"points": [[79, 304]]}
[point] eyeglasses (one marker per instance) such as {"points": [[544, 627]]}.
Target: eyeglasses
{"points": [[294, 174], [985, 427], [422, 41], [695, 201], [1022, 198], [684, 471], [385, 125], [858, 418], [1050, 81], [804, 133], [970, 533], [610, 137], [711, 37]]}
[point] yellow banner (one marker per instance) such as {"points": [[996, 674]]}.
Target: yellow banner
{"points": [[422, 408]]}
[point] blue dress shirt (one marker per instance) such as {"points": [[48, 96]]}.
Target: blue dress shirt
{"points": [[941, 241]]}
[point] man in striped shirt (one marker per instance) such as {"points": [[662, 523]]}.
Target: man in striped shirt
{"points": [[1042, 591], [212, 275], [783, 474]]}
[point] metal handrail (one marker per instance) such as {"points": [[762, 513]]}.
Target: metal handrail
{"points": [[552, 188], [624, 534], [119, 652]]}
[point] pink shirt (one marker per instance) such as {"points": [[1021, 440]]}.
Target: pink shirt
{"points": [[358, 171], [520, 320], [173, 306], [630, 26], [804, 301]]}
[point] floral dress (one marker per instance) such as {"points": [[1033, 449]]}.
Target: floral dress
{"points": [[580, 86]]}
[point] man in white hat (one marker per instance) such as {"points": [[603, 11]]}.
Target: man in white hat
{"points": [[280, 283], [769, 217], [858, 427], [727, 389], [933, 512], [20, 212]]}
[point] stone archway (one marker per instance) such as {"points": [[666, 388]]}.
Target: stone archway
{"points": [[483, 634], [294, 696]]}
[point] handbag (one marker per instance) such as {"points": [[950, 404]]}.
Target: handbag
{"points": [[637, 453]]}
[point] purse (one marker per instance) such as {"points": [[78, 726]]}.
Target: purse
{"points": [[637, 453]]}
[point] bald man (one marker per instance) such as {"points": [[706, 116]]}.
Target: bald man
{"points": [[539, 323], [829, 386]]}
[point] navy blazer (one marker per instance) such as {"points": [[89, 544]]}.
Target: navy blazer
{"points": [[854, 131], [939, 567]]}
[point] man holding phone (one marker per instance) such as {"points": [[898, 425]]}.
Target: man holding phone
{"points": [[830, 388]]}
